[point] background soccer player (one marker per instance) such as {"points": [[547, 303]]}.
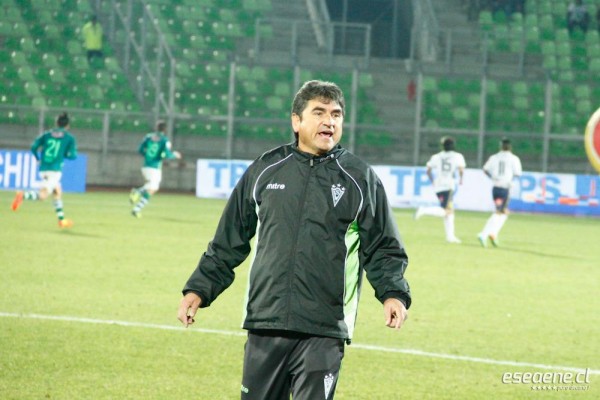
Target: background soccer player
{"points": [[442, 169], [155, 147], [502, 167], [50, 149]]}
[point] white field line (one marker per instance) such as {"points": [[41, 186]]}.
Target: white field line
{"points": [[354, 345]]}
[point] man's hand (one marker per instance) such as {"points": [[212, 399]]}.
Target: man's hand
{"points": [[395, 313], [188, 307]]}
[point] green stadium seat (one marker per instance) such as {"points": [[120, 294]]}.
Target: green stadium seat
{"points": [[444, 99], [583, 92], [50, 60], [365, 80], [592, 37], [584, 108], [594, 66], [474, 100], [74, 48], [95, 93], [32, 89], [25, 73], [546, 26], [532, 34], [51, 32], [38, 102], [516, 19], [549, 62], [517, 40], [564, 63], [566, 75], [521, 102], [274, 103], [18, 58], [259, 73], [562, 36], [520, 88], [461, 117], [104, 79], [282, 89], [492, 87], [563, 49], [486, 21], [501, 37], [500, 18], [548, 48]]}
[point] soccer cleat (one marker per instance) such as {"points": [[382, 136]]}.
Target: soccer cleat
{"points": [[136, 214], [494, 240], [134, 196], [482, 240], [453, 239], [65, 223], [418, 213], [17, 200]]}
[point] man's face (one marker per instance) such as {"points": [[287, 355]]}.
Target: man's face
{"points": [[319, 127]]}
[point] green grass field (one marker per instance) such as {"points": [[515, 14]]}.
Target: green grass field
{"points": [[90, 313]]}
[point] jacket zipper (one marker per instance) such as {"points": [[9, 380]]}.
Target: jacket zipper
{"points": [[293, 255]]}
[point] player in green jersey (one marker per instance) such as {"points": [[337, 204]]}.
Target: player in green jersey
{"points": [[50, 149], [155, 147]]}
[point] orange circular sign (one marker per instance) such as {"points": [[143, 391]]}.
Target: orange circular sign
{"points": [[592, 140]]}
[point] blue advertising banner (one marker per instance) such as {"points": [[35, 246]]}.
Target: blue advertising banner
{"points": [[557, 193], [410, 187], [19, 171]]}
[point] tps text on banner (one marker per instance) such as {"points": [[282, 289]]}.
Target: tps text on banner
{"points": [[19, 171], [409, 187]]}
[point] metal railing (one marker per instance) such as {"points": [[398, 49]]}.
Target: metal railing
{"points": [[333, 38], [540, 135], [110, 131], [137, 39]]}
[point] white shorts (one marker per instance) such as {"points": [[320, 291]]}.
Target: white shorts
{"points": [[50, 180], [153, 176]]}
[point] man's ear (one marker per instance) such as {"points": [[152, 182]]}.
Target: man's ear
{"points": [[296, 120]]}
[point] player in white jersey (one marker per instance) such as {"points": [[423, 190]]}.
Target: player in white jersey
{"points": [[442, 169], [502, 167]]}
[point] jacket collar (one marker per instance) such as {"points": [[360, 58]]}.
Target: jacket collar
{"points": [[336, 152]]}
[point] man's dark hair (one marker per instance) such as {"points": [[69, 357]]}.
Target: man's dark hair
{"points": [[447, 143], [324, 91], [505, 144], [62, 120], [161, 125]]}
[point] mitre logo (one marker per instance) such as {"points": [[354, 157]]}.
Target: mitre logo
{"points": [[279, 186]]}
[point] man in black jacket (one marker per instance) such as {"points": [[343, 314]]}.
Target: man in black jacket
{"points": [[321, 217]]}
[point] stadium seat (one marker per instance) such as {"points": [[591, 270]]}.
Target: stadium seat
{"points": [[444, 99], [594, 66], [548, 48], [486, 21]]}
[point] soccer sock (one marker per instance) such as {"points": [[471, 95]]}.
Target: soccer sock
{"points": [[433, 211], [144, 200], [58, 206], [31, 195], [500, 220], [489, 226], [449, 226]]}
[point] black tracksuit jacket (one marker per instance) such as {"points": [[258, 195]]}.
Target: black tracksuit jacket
{"points": [[319, 222]]}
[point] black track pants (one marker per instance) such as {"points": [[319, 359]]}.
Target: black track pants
{"points": [[279, 363]]}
